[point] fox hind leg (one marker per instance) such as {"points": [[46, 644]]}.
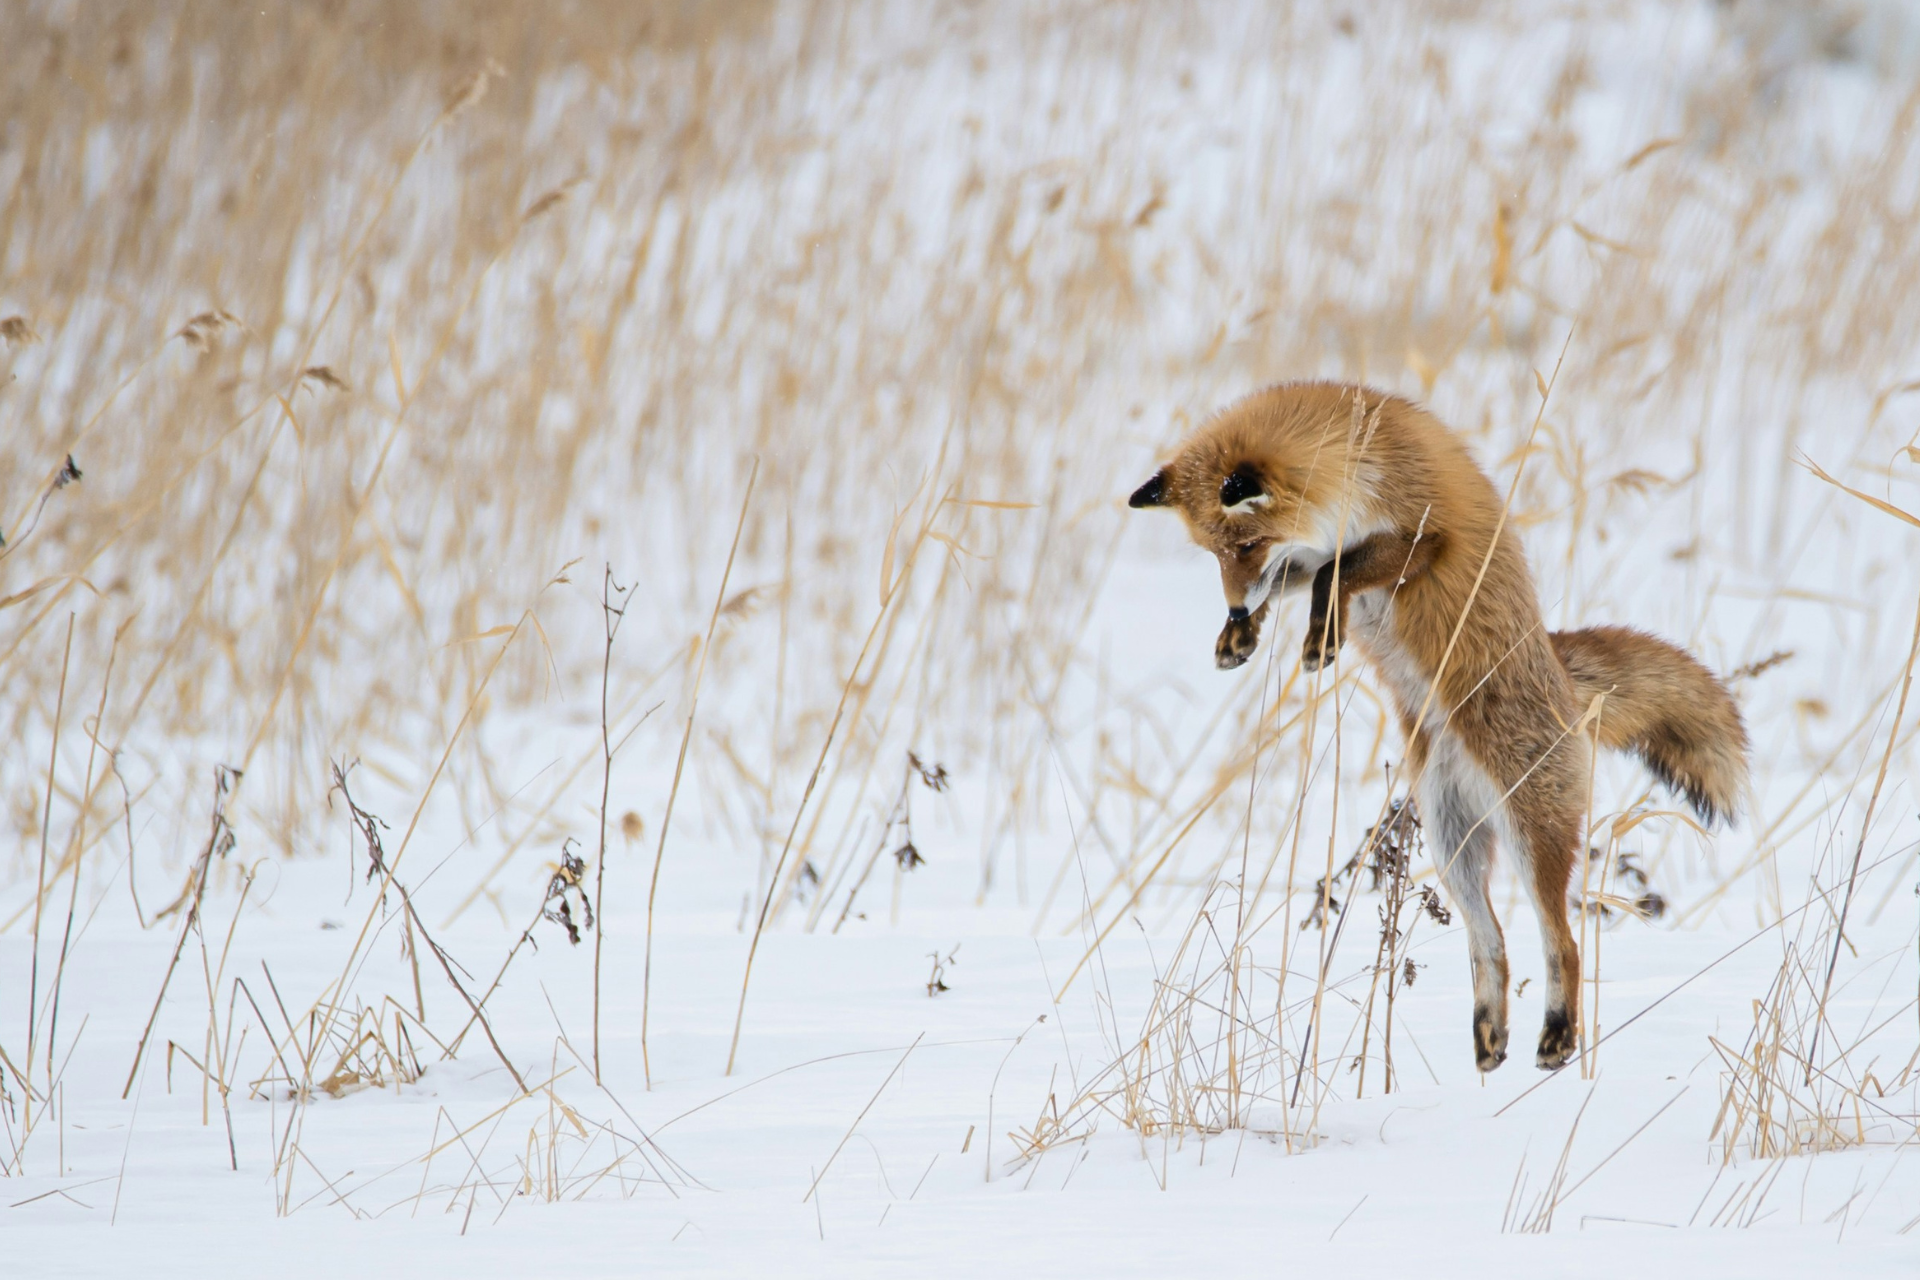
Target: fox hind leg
{"points": [[1457, 804], [1551, 834]]}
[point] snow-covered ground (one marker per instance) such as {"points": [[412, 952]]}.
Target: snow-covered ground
{"points": [[899, 1105], [901, 263]]}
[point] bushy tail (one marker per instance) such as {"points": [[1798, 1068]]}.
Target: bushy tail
{"points": [[1665, 708]]}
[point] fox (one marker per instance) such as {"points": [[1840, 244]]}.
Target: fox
{"points": [[1377, 509]]}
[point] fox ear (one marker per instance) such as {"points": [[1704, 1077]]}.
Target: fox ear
{"points": [[1242, 489], [1153, 493]]}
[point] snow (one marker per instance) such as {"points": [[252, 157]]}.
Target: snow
{"points": [[843, 1037]]}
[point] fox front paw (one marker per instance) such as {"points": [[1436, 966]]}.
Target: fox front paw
{"points": [[1237, 642], [1322, 645]]}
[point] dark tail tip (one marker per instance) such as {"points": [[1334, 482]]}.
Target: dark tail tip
{"points": [[1711, 809]]}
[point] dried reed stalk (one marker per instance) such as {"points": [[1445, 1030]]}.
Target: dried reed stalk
{"points": [[611, 617], [680, 762]]}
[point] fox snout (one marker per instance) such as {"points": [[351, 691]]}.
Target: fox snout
{"points": [[1237, 613]]}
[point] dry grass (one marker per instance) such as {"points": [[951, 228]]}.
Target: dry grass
{"points": [[497, 329], [1805, 1079], [326, 341]]}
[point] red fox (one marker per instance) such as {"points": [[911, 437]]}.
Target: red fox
{"points": [[1377, 507]]}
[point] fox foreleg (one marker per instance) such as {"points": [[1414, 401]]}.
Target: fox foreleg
{"points": [[1380, 560]]}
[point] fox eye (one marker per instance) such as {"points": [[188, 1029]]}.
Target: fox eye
{"points": [[1248, 548]]}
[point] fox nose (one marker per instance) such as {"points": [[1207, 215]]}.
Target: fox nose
{"points": [[1236, 614]]}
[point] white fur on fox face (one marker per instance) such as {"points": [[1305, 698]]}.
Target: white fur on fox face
{"points": [[1246, 506]]}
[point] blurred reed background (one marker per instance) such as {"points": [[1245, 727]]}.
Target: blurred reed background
{"points": [[360, 321]]}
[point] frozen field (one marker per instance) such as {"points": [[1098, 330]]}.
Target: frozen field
{"points": [[1422, 1177], [673, 460]]}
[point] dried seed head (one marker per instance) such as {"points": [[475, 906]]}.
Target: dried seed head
{"points": [[742, 604], [325, 377], [564, 894], [544, 203], [201, 331], [934, 776], [470, 91], [1768, 663], [17, 332]]}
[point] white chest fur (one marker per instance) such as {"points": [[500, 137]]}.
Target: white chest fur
{"points": [[1371, 624], [1457, 797]]}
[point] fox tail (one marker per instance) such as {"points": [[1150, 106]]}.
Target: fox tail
{"points": [[1664, 707]]}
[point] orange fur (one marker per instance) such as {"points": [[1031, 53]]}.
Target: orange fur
{"points": [[1372, 503]]}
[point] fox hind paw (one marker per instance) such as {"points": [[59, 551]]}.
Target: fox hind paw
{"points": [[1558, 1039], [1489, 1040]]}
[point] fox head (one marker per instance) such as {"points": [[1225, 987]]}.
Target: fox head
{"points": [[1270, 486], [1246, 518]]}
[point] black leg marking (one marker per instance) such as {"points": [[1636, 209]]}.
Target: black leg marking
{"points": [[1323, 641]]}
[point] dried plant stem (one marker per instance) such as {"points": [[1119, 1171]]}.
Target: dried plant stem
{"points": [[361, 502], [219, 839], [40, 884], [899, 816], [79, 850], [1588, 1028], [164, 661], [1329, 942], [848, 1135], [1695, 976], [1860, 844], [890, 592], [413, 964], [291, 382], [1240, 903], [679, 766], [213, 1040], [339, 985], [364, 498], [1390, 860], [388, 880], [611, 618], [544, 808]]}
